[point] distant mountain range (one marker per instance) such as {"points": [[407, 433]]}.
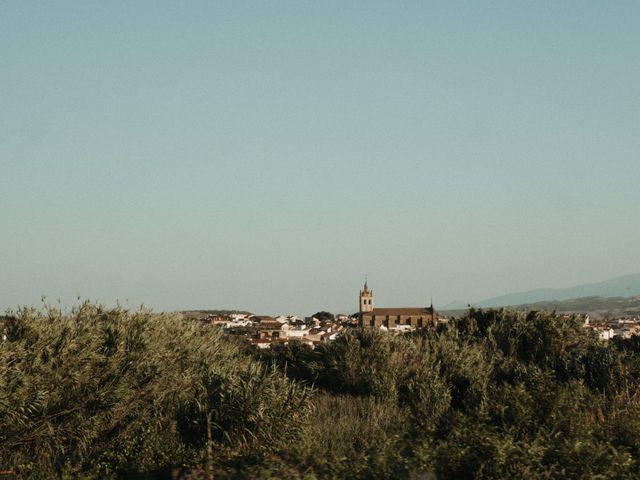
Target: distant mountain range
{"points": [[615, 298], [625, 286], [596, 307]]}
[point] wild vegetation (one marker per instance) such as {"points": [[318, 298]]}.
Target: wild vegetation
{"points": [[598, 308], [108, 393]]}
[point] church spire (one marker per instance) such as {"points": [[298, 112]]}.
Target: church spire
{"points": [[366, 298]]}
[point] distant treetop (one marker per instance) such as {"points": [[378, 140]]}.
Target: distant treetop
{"points": [[324, 316]]}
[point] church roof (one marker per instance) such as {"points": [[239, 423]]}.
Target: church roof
{"points": [[400, 311]]}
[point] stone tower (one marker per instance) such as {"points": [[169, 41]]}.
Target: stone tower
{"points": [[366, 299]]}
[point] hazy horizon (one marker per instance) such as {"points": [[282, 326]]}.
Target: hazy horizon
{"points": [[242, 155]]}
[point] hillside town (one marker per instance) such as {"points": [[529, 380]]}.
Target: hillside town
{"points": [[263, 331], [623, 327]]}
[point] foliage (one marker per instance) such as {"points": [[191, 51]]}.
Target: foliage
{"points": [[494, 394], [108, 393], [113, 393], [324, 316]]}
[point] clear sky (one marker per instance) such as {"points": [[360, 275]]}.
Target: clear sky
{"points": [[267, 155]]}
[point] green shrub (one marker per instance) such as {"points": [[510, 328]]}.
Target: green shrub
{"points": [[111, 391]]}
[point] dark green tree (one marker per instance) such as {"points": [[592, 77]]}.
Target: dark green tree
{"points": [[324, 316]]}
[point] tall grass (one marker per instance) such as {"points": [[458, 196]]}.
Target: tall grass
{"points": [[109, 392]]}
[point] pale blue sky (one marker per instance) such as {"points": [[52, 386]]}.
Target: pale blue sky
{"points": [[268, 155]]}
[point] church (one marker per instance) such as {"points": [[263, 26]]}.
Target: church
{"points": [[392, 317]]}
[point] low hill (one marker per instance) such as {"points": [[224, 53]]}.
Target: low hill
{"points": [[624, 286], [596, 307]]}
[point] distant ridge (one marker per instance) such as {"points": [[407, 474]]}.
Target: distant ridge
{"points": [[596, 307], [624, 286]]}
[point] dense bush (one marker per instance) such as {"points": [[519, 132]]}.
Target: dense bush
{"points": [[107, 393], [496, 394], [101, 393]]}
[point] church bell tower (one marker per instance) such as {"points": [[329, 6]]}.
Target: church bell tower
{"points": [[366, 299]]}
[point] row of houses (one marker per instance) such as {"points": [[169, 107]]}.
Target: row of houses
{"points": [[262, 331], [625, 327], [269, 332]]}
